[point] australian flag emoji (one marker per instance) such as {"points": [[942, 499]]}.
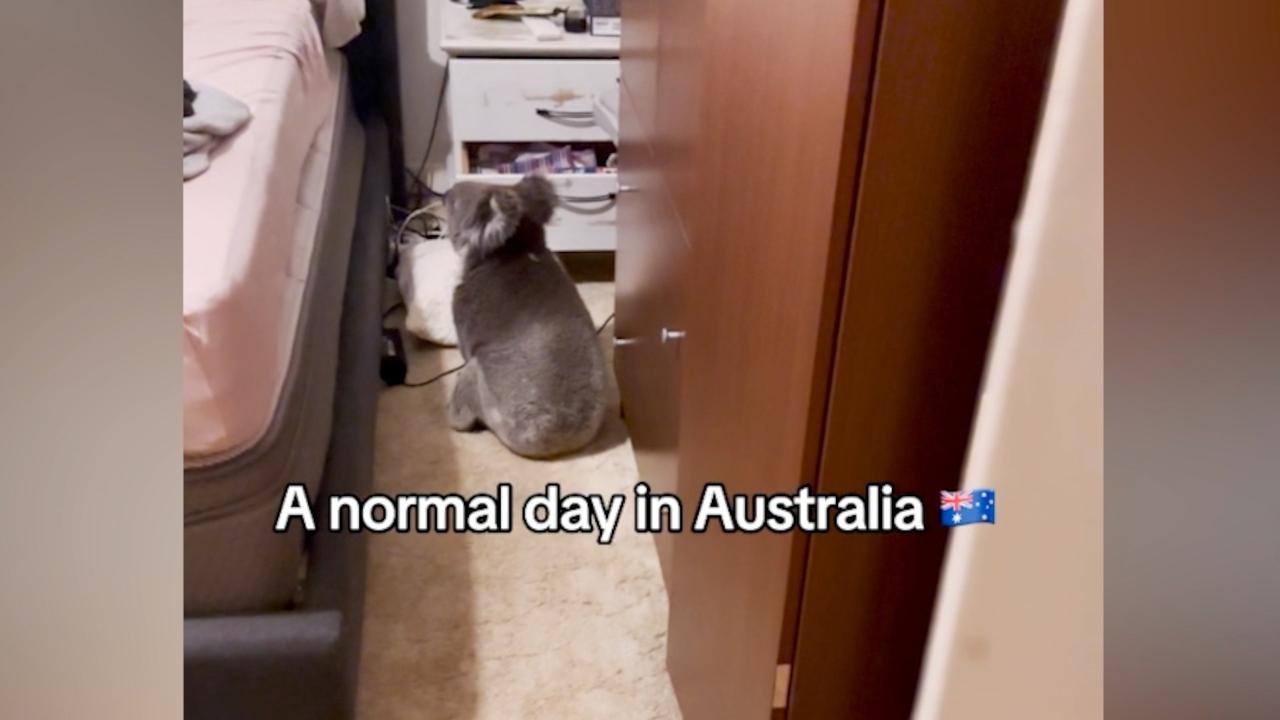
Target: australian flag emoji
{"points": [[968, 506]]}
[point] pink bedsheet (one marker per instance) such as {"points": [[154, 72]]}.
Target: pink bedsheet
{"points": [[246, 244]]}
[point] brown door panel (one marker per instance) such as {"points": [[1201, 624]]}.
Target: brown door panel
{"points": [[937, 201], [639, 60], [767, 243], [651, 262]]}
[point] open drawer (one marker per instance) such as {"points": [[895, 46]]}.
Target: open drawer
{"points": [[586, 218]]}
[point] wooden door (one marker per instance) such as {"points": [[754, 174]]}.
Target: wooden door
{"points": [[831, 186], [780, 109]]}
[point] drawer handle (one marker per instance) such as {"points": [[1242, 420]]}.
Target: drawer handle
{"points": [[589, 207], [565, 114], [608, 197]]}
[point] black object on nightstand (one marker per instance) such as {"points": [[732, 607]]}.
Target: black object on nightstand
{"points": [[575, 20], [604, 17], [480, 4]]}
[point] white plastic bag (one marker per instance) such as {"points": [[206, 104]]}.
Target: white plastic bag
{"points": [[428, 273]]}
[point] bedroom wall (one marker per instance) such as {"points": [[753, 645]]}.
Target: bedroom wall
{"points": [[422, 64]]}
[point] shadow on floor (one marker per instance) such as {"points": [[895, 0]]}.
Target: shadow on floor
{"points": [[419, 604]]}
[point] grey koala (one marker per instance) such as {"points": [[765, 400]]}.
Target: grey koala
{"points": [[534, 373]]}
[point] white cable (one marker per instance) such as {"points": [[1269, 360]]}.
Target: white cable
{"points": [[410, 217]]}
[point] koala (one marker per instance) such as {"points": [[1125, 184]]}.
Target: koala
{"points": [[534, 372]]}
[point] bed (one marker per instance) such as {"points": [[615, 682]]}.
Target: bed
{"points": [[250, 222], [266, 237], [284, 248]]}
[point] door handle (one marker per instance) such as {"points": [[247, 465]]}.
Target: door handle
{"points": [[667, 335], [589, 204]]}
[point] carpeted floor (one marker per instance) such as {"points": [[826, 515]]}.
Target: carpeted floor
{"points": [[508, 627]]}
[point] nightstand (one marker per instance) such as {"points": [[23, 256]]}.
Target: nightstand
{"points": [[511, 93]]}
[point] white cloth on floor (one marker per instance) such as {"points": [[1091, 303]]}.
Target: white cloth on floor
{"points": [[216, 115], [428, 273]]}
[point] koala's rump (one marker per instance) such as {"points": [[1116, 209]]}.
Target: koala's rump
{"points": [[521, 320]]}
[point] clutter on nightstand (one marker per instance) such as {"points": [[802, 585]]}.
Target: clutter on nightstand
{"points": [[545, 158]]}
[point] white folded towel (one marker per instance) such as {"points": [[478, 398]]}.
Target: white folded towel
{"points": [[216, 115]]}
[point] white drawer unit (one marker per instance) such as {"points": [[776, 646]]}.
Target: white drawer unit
{"points": [[529, 100], [509, 90]]}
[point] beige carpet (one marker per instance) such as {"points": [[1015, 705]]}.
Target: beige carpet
{"points": [[507, 627]]}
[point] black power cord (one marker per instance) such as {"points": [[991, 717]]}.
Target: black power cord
{"points": [[434, 378], [455, 369], [419, 184], [389, 311]]}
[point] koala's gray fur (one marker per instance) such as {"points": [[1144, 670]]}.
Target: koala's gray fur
{"points": [[534, 371]]}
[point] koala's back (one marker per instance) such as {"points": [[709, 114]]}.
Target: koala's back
{"points": [[542, 374]]}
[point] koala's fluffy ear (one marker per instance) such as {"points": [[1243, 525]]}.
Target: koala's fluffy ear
{"points": [[538, 197], [482, 218]]}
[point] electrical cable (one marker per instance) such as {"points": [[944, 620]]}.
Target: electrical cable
{"points": [[431, 141], [424, 383], [429, 213], [399, 213]]}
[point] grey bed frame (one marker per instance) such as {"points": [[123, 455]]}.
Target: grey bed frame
{"points": [[303, 662]]}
